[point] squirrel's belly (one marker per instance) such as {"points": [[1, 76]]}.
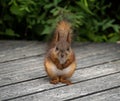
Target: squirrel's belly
{"points": [[61, 72]]}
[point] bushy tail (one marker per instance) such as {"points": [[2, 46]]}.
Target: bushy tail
{"points": [[63, 27], [62, 32]]}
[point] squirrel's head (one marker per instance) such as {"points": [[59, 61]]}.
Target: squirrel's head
{"points": [[62, 50]]}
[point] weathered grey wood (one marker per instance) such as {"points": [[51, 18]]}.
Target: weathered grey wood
{"points": [[22, 74], [21, 70], [109, 95], [79, 89], [42, 84], [94, 49], [21, 49], [5, 45], [31, 68], [15, 51]]}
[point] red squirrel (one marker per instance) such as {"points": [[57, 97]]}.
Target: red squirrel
{"points": [[60, 62]]}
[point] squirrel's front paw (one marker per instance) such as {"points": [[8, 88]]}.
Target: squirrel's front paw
{"points": [[66, 64], [59, 66]]}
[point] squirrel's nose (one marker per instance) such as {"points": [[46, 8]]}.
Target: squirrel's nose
{"points": [[62, 55]]}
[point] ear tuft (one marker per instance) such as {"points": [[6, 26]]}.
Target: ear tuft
{"points": [[57, 36], [69, 38]]}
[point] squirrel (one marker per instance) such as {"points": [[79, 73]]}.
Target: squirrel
{"points": [[60, 62]]}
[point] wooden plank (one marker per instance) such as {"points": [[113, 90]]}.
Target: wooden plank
{"points": [[20, 50], [94, 49], [8, 44], [20, 70], [11, 45], [78, 56], [11, 50], [109, 95], [78, 89], [42, 84]]}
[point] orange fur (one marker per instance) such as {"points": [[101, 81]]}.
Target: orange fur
{"points": [[62, 32], [64, 26], [56, 78], [60, 68]]}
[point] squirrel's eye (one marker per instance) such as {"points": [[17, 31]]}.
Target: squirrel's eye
{"points": [[68, 49], [56, 48]]}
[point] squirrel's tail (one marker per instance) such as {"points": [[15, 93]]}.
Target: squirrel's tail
{"points": [[64, 27], [63, 31]]}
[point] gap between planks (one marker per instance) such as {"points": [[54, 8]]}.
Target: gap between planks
{"points": [[107, 72], [94, 93], [46, 75], [101, 59], [85, 88]]}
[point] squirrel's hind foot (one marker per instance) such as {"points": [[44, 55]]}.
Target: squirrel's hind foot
{"points": [[54, 80], [64, 80]]}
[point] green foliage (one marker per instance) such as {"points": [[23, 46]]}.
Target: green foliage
{"points": [[92, 20]]}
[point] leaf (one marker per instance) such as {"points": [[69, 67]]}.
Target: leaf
{"points": [[12, 2], [46, 30], [104, 38], [24, 8], [116, 28], [85, 8], [16, 10], [10, 32], [85, 2], [114, 38], [55, 11], [56, 2], [107, 24], [48, 6]]}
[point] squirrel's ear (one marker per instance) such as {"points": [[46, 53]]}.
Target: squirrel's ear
{"points": [[69, 38], [57, 37]]}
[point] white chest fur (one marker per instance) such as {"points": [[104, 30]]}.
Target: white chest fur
{"points": [[60, 72]]}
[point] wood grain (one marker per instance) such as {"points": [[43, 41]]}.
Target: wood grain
{"points": [[23, 78]]}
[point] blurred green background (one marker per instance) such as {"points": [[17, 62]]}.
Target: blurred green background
{"points": [[92, 20]]}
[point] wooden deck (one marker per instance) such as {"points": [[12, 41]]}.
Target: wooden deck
{"points": [[22, 75]]}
